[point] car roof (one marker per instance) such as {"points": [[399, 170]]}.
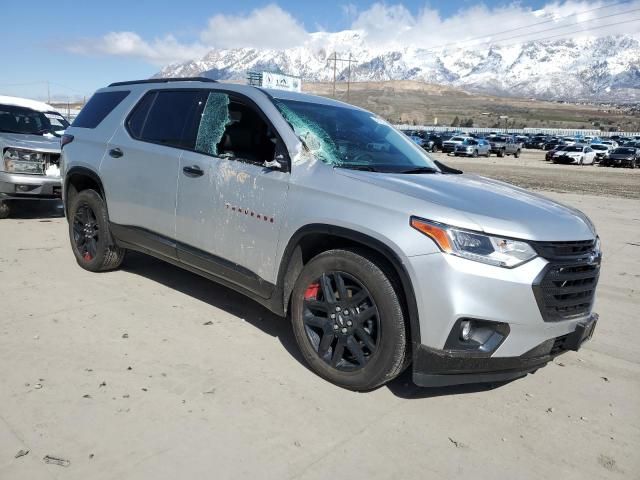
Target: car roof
{"points": [[27, 103], [207, 83]]}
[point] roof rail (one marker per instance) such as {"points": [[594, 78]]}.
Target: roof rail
{"points": [[164, 80]]}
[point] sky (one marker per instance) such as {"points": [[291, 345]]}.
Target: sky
{"points": [[74, 48]]}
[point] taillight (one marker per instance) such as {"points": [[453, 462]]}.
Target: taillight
{"points": [[65, 140]]}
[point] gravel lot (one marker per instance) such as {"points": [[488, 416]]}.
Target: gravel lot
{"points": [[152, 372], [532, 171]]}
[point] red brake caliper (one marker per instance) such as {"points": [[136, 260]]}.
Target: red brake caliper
{"points": [[87, 257], [312, 291]]}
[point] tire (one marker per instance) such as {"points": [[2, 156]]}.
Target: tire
{"points": [[5, 211], [475, 154], [517, 154], [91, 240], [377, 357], [434, 149], [501, 153]]}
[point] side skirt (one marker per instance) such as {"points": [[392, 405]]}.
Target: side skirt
{"points": [[201, 263]]}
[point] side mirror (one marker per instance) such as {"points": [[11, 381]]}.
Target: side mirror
{"points": [[280, 159]]}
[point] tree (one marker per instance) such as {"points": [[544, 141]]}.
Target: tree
{"points": [[456, 122]]}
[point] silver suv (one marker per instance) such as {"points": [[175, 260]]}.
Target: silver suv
{"points": [[323, 212], [30, 147]]}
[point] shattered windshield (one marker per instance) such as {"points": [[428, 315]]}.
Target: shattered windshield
{"points": [[350, 138], [15, 119]]}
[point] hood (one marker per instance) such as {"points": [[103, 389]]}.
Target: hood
{"points": [[622, 156], [33, 142], [496, 207]]}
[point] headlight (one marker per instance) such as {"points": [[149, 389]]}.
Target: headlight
{"points": [[17, 160], [497, 251]]}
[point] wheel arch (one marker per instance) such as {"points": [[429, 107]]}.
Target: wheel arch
{"points": [[313, 239], [78, 179]]}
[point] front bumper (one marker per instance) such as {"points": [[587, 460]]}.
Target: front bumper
{"points": [[439, 368], [34, 187], [448, 148], [450, 289]]}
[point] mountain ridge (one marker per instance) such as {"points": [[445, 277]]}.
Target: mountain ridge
{"points": [[591, 69]]}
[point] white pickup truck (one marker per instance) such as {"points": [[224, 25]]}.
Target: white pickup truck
{"points": [[30, 146]]}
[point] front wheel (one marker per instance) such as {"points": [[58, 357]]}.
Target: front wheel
{"points": [[475, 154], [348, 320], [4, 210], [517, 154], [89, 233]]}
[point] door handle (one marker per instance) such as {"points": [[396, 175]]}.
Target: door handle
{"points": [[193, 171], [116, 153]]}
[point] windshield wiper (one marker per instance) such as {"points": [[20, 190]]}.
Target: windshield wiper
{"points": [[420, 170]]}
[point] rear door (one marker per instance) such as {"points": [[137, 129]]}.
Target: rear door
{"points": [[230, 206], [140, 170]]}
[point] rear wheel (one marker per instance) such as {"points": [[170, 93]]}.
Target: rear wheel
{"points": [[475, 154], [517, 154], [348, 320], [89, 233], [501, 153]]}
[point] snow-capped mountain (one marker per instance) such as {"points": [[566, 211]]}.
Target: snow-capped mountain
{"points": [[606, 68]]}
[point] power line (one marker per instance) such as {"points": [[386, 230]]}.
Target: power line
{"points": [[528, 26], [576, 31], [562, 26]]}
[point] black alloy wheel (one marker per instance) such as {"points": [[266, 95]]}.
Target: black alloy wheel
{"points": [[86, 232], [91, 240], [348, 319], [341, 321]]}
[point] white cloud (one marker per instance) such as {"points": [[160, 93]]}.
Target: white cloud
{"points": [[395, 26], [160, 51], [385, 26], [268, 27]]}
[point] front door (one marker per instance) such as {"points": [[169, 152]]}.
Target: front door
{"points": [[230, 207]]}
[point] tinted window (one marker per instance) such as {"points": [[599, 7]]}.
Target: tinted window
{"points": [[98, 107], [173, 118], [139, 115]]}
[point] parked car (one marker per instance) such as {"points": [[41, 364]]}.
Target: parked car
{"points": [[382, 258], [602, 150], [552, 143], [30, 145], [610, 143], [434, 142], [536, 142], [449, 146], [472, 148], [622, 157], [504, 145], [578, 154], [549, 155]]}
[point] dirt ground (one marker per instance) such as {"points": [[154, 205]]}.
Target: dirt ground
{"points": [[151, 372]]}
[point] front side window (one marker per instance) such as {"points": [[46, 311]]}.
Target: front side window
{"points": [[232, 129], [350, 138], [15, 119]]}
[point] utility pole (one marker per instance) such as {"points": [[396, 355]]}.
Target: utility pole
{"points": [[349, 61]]}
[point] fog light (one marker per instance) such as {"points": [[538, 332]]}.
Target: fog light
{"points": [[465, 331], [22, 188]]}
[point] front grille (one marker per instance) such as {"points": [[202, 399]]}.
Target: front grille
{"points": [[566, 288]]}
